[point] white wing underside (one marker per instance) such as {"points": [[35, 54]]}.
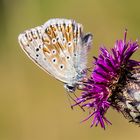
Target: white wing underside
{"points": [[58, 48]]}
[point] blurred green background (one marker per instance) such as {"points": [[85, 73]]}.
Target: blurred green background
{"points": [[33, 105]]}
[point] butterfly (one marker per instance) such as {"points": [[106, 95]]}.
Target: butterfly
{"points": [[59, 47]]}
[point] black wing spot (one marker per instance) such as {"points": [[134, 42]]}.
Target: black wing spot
{"points": [[68, 57], [64, 39], [69, 44], [61, 66], [57, 38], [54, 51], [54, 60], [37, 49]]}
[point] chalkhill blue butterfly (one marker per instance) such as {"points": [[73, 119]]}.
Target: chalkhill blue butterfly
{"points": [[60, 48]]}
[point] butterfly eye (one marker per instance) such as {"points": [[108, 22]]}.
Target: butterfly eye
{"points": [[61, 66], [54, 60]]}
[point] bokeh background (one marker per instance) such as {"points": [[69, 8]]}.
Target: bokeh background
{"points": [[33, 105]]}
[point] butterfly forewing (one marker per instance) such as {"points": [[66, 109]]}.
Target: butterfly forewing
{"points": [[57, 47], [38, 52]]}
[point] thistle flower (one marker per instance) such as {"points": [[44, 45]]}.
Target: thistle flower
{"points": [[114, 82]]}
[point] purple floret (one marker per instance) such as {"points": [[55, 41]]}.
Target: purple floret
{"points": [[108, 69]]}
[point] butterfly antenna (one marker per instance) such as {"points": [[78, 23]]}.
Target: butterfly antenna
{"points": [[78, 104], [75, 95], [69, 99], [75, 101]]}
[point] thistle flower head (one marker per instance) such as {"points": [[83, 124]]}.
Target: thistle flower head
{"points": [[107, 79]]}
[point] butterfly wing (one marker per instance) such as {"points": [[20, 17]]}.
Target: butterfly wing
{"points": [[81, 51], [56, 48]]}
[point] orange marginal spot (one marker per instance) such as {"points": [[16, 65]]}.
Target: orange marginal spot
{"points": [[34, 36], [59, 28], [53, 28], [67, 38], [47, 41], [45, 49], [70, 34], [67, 28], [28, 37], [64, 32], [48, 31]]}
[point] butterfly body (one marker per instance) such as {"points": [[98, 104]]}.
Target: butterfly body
{"points": [[60, 48]]}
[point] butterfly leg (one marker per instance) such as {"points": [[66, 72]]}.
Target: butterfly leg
{"points": [[70, 97], [75, 101]]}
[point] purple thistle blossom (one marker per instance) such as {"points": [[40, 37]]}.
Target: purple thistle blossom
{"points": [[109, 74]]}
